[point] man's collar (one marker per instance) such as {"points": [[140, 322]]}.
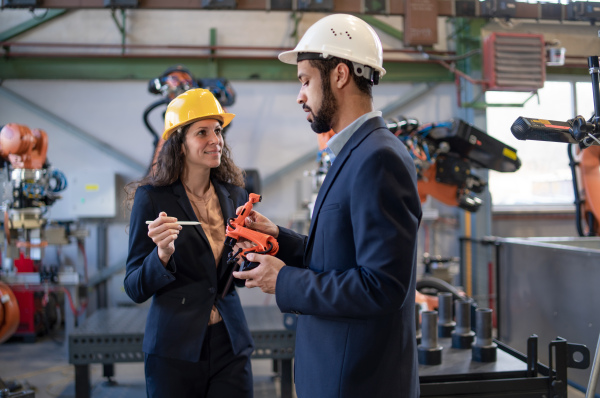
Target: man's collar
{"points": [[337, 142]]}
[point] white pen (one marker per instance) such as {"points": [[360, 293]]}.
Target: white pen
{"points": [[181, 222]]}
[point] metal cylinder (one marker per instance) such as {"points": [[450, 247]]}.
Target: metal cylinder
{"points": [[463, 336], [429, 336], [484, 349], [429, 352], [463, 316], [483, 327], [446, 324]]}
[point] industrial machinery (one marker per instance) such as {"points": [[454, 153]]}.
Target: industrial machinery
{"points": [[28, 187], [445, 156]]}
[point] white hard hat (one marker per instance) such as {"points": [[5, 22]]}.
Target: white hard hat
{"points": [[343, 36]]}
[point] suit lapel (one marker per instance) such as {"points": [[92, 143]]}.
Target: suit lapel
{"points": [[185, 204], [227, 205], [228, 211], [363, 132]]}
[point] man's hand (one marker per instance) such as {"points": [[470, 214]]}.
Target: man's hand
{"points": [[163, 231], [263, 276], [260, 223]]}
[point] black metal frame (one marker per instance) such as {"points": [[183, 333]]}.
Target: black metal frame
{"points": [[534, 381]]}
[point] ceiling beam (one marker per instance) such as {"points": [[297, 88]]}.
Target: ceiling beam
{"points": [[145, 68], [30, 24], [446, 8]]}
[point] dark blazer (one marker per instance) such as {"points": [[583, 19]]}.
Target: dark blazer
{"points": [[352, 280], [182, 295]]}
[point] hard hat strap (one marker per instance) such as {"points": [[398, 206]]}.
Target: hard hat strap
{"points": [[305, 56]]}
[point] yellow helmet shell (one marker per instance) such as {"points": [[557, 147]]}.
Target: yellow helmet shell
{"points": [[191, 106]]}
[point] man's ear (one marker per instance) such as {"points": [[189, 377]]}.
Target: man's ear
{"points": [[341, 75]]}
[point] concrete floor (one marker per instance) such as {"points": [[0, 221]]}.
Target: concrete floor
{"points": [[43, 366]]}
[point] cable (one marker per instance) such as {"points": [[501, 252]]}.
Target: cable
{"points": [[85, 263]]}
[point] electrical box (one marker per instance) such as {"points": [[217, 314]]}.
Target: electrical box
{"points": [[22, 3], [315, 5], [420, 22], [121, 3], [514, 61], [219, 4], [498, 8], [93, 195], [281, 5]]}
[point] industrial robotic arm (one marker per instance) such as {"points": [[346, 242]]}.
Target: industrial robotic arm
{"points": [[445, 155]]}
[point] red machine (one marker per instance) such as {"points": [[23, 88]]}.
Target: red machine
{"points": [[33, 187]]}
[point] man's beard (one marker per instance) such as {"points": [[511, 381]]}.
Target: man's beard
{"points": [[322, 122]]}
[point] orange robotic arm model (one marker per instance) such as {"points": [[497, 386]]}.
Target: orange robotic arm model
{"points": [[236, 230]]}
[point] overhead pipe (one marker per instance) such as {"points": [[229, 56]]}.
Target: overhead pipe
{"points": [[211, 50]]}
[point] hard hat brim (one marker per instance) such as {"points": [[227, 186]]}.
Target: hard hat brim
{"points": [[224, 118], [291, 57]]}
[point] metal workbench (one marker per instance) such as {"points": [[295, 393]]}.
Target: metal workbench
{"points": [[115, 335], [513, 374]]}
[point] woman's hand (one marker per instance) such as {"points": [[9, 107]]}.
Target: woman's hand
{"points": [[163, 231]]}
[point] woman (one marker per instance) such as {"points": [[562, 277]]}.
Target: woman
{"points": [[196, 343]]}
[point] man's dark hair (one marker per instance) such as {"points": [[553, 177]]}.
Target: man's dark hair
{"points": [[325, 66]]}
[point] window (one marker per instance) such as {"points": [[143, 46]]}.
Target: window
{"points": [[545, 176]]}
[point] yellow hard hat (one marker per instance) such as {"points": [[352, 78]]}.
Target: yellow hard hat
{"points": [[191, 106]]}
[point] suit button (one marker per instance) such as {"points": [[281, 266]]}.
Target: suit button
{"points": [[212, 290]]}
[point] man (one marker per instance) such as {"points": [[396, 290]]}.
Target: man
{"points": [[352, 279]]}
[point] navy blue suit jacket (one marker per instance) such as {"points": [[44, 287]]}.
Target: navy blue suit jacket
{"points": [[183, 295], [352, 280]]}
